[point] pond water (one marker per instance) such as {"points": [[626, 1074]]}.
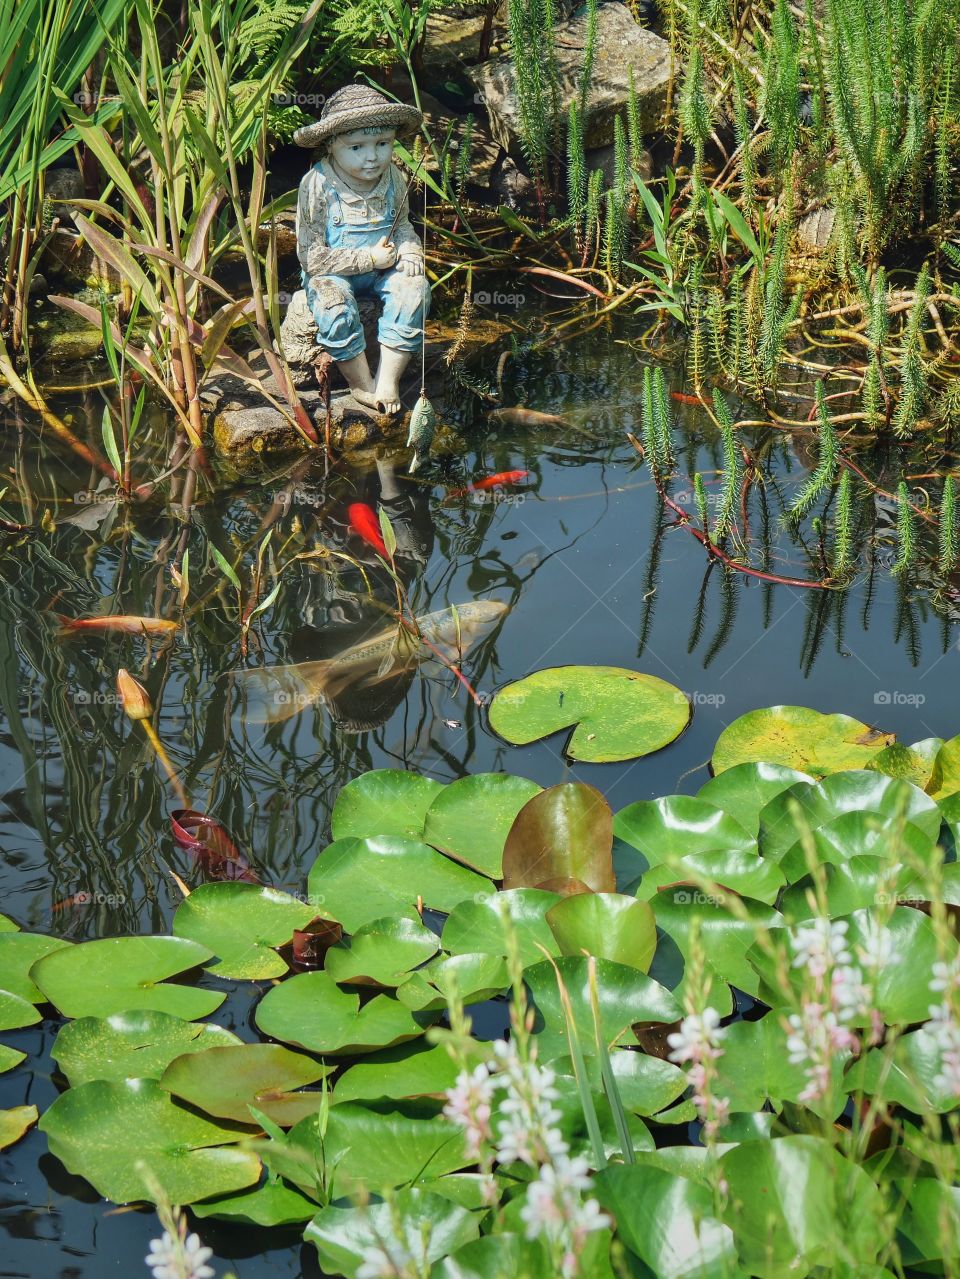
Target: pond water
{"points": [[574, 551]]}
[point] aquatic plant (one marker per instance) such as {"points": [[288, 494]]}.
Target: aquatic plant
{"points": [[844, 520], [949, 543], [731, 477], [906, 531], [824, 475], [913, 373]]}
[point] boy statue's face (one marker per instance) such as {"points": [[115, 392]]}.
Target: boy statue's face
{"points": [[363, 155]]}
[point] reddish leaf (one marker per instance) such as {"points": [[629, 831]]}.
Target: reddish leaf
{"points": [[213, 849], [563, 834]]}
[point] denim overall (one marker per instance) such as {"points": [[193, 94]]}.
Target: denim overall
{"points": [[333, 298]]}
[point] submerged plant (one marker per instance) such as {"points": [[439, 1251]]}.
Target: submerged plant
{"points": [[949, 547], [823, 477]]}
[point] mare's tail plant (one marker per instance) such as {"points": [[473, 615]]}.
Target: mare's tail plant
{"points": [[823, 477]]}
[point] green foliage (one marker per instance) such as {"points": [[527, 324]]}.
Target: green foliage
{"points": [[844, 521], [535, 81], [913, 372], [906, 531], [949, 544], [576, 173], [731, 468], [781, 81], [824, 475]]}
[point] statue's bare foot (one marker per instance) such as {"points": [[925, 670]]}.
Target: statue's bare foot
{"points": [[375, 400]]}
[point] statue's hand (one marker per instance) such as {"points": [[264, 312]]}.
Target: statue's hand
{"points": [[410, 264], [384, 254]]}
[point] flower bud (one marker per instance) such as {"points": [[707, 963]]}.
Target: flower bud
{"points": [[134, 696]]}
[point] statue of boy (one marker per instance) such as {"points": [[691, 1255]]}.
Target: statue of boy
{"points": [[345, 210]]}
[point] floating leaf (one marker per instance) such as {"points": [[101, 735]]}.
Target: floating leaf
{"points": [[16, 1012], [564, 833], [272, 1204], [667, 829], [945, 775], [743, 790], [311, 1011], [242, 924], [18, 953], [800, 738], [118, 974], [7, 925], [857, 884], [726, 935], [385, 801], [470, 819], [930, 1219], [608, 925], [383, 952], [10, 1057], [824, 1206], [133, 1045], [910, 1074], [619, 714], [755, 1068], [406, 1071], [102, 1131], [226, 1082], [343, 1236], [14, 1123], [360, 880], [477, 926], [626, 997], [500, 1255], [472, 978], [645, 1084], [667, 1222], [745, 874], [910, 763]]}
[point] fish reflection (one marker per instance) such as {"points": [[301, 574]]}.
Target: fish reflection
{"points": [[363, 684]]}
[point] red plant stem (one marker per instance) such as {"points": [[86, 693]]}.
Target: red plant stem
{"points": [[478, 700]]}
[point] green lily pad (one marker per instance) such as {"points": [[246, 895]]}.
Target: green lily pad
{"points": [[608, 925], [360, 880], [745, 874], [7, 925], [564, 835], [667, 1222], [859, 834], [856, 884], [853, 791], [383, 952], [626, 997], [272, 1204], [800, 738], [226, 1082], [910, 763], [407, 1071], [907, 1074], [15, 1123], [618, 714], [668, 829], [104, 1129], [471, 978], [18, 953], [945, 775], [902, 993], [470, 819], [372, 1145], [133, 1045], [119, 974], [431, 1226], [16, 1012], [10, 1057], [386, 801], [726, 935], [755, 1068], [498, 1257], [743, 790], [645, 1084], [824, 1206], [242, 924], [930, 1219], [311, 1011], [477, 926]]}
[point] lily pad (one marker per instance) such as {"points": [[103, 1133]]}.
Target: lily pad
{"points": [[798, 737], [16, 1012], [930, 1219], [406, 1071], [910, 763], [383, 952], [226, 1082], [860, 834], [498, 1256], [119, 974], [745, 874], [608, 925], [824, 1206], [10, 1057], [617, 713], [272, 1204], [133, 1045], [470, 819], [645, 1084], [563, 834], [104, 1129], [311, 1011], [431, 1227], [18, 953], [743, 790], [242, 924], [471, 978], [856, 884], [360, 880], [945, 775], [667, 829], [626, 997], [15, 1123], [908, 1075], [755, 1068], [477, 926], [726, 935], [7, 925], [385, 801], [667, 1222]]}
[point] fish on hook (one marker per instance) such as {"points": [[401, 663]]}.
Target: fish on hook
{"points": [[423, 427]]}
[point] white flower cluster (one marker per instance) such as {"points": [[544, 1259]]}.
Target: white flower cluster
{"points": [[943, 1027], [839, 991], [697, 1041], [525, 1131], [171, 1257]]}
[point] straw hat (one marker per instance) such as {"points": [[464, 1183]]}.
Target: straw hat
{"points": [[357, 106]]}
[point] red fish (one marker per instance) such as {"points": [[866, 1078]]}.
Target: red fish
{"points": [[129, 625], [491, 482], [364, 522], [683, 398]]}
